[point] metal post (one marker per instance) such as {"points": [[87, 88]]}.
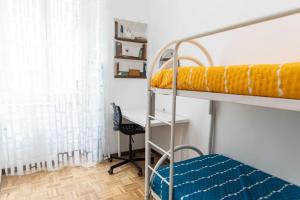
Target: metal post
{"points": [[147, 145], [172, 141], [119, 144], [152, 111], [212, 113]]}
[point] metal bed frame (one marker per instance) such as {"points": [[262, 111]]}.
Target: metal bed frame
{"points": [[286, 104]]}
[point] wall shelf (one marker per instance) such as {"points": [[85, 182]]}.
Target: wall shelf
{"points": [[131, 40], [134, 77], [130, 58]]}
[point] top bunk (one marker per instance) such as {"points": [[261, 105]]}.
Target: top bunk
{"points": [[267, 102], [272, 86]]}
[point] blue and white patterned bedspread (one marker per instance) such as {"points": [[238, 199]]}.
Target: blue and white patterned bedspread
{"points": [[218, 177]]}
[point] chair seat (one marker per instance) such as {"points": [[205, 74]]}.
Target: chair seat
{"points": [[131, 129]]}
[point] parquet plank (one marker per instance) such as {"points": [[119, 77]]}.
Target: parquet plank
{"points": [[76, 183]]}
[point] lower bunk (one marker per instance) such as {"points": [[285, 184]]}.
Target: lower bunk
{"points": [[216, 176]]}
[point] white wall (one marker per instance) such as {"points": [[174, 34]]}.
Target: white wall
{"points": [[264, 138], [128, 93]]}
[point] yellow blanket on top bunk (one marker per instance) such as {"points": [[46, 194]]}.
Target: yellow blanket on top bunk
{"points": [[281, 81]]}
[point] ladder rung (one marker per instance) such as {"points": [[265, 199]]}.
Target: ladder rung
{"points": [[165, 122], [155, 172], [162, 91], [158, 147]]}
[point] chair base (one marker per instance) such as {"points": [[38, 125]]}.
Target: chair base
{"points": [[125, 161], [131, 159]]}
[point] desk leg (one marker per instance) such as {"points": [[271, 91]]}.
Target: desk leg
{"points": [[119, 144]]}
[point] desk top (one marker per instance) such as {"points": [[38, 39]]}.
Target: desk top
{"points": [[138, 116]]}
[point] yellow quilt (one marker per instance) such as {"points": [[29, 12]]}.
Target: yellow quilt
{"points": [[269, 80]]}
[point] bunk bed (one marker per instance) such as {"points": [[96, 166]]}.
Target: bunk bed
{"points": [[216, 176]]}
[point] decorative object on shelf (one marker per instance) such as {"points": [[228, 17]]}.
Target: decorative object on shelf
{"points": [[128, 34], [117, 67], [141, 52], [145, 69], [124, 74], [134, 72], [122, 31]]}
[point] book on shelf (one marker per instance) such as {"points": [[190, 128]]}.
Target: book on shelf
{"points": [[118, 49], [116, 29], [144, 56]]}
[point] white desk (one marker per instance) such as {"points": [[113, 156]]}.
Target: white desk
{"points": [[138, 116]]}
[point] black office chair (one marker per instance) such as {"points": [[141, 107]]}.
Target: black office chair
{"points": [[130, 130]]}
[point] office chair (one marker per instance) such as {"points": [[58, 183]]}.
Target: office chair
{"points": [[130, 130]]}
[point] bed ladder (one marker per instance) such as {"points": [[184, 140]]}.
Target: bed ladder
{"points": [[150, 144], [151, 116], [167, 154]]}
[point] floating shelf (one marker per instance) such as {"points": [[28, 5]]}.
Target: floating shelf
{"points": [[130, 58], [131, 40], [135, 77]]}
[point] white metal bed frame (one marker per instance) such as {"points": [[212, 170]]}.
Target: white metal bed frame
{"points": [[286, 104]]}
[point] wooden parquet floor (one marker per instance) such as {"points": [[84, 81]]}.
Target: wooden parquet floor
{"points": [[74, 183]]}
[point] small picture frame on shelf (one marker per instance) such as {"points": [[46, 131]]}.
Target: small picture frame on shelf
{"points": [[131, 50]]}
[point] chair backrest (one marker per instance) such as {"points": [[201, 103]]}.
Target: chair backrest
{"points": [[117, 116]]}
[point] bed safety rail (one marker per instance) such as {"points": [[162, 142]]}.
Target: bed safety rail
{"points": [[178, 148], [163, 159]]}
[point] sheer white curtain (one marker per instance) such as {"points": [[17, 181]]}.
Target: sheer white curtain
{"points": [[51, 89]]}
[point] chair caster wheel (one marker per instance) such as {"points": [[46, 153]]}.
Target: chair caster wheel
{"points": [[110, 171], [110, 160], [140, 173]]}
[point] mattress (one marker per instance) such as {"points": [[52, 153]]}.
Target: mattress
{"points": [[268, 80], [219, 177]]}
